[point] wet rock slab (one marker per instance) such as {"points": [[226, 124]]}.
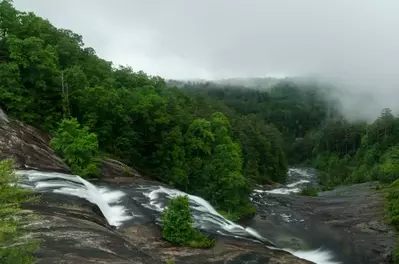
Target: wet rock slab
{"points": [[72, 230], [350, 221], [28, 147]]}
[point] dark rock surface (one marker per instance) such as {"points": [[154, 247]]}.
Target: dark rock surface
{"points": [[73, 231], [28, 146], [112, 170], [350, 221], [359, 211]]}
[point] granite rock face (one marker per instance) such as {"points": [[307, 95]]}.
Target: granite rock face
{"points": [[350, 221], [28, 146], [74, 231]]}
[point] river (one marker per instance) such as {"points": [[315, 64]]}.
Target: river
{"points": [[276, 225]]}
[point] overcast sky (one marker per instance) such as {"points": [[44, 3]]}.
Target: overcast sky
{"points": [[355, 41]]}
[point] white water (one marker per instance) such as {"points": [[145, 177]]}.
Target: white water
{"points": [[301, 172], [76, 186], [207, 214], [283, 191], [3, 116], [292, 187], [317, 256], [114, 214], [297, 183], [203, 213]]}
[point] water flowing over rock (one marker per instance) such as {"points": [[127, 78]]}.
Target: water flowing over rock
{"points": [[89, 227], [329, 229], [349, 221], [3, 116]]}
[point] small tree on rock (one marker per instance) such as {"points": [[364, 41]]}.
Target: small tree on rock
{"points": [[178, 225]]}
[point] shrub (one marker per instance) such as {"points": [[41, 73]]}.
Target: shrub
{"points": [[77, 146], [14, 246], [178, 225], [310, 191], [393, 210], [244, 211]]}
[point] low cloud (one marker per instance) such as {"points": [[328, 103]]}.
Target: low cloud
{"points": [[353, 43]]}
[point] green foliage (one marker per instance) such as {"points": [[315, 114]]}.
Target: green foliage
{"points": [[389, 167], [357, 152], [215, 163], [243, 211], [310, 191], [393, 210], [77, 146], [177, 225], [15, 246], [170, 261]]}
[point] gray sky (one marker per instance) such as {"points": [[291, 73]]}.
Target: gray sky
{"points": [[352, 41]]}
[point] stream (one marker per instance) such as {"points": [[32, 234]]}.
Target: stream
{"points": [[276, 225]]}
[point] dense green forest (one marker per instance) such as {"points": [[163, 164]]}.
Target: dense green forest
{"points": [[316, 133]]}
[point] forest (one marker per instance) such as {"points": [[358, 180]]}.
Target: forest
{"points": [[212, 140]]}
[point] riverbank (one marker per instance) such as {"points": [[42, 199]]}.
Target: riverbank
{"points": [[349, 220]]}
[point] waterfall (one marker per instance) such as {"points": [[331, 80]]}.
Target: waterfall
{"points": [[155, 198], [76, 186], [115, 214], [207, 217], [203, 212]]}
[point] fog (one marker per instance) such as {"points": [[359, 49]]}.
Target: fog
{"points": [[352, 43]]}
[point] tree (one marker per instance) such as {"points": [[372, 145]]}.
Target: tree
{"points": [[390, 165], [177, 225], [77, 146], [15, 248]]}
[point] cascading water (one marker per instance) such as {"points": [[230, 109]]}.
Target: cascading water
{"points": [[114, 214], [75, 185], [301, 179], [116, 208], [205, 216]]}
